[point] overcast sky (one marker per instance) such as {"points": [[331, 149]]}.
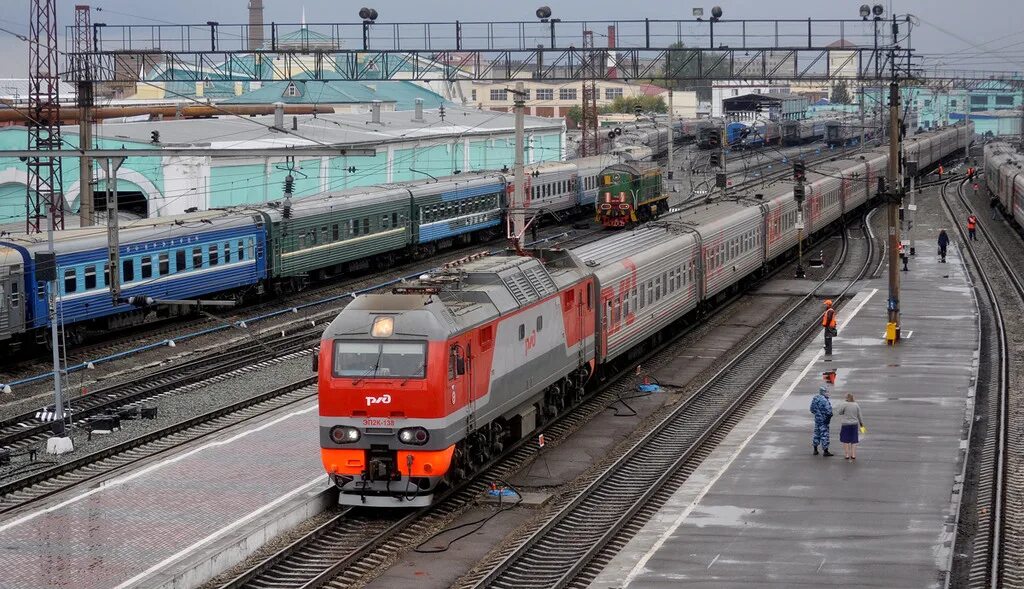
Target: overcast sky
{"points": [[993, 26]]}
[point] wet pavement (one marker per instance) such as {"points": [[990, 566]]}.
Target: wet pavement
{"points": [[129, 529], [762, 511]]}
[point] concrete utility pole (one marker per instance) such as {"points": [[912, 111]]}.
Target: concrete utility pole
{"points": [[671, 138], [799, 175], [113, 237], [517, 216], [58, 391], [85, 195], [892, 331], [861, 147], [912, 206]]}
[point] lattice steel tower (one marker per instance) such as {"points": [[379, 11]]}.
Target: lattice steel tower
{"points": [[44, 193]]}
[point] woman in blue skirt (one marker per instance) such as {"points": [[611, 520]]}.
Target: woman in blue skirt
{"points": [[851, 424]]}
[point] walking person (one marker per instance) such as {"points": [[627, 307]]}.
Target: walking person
{"points": [[821, 408], [849, 430], [972, 226], [943, 244], [993, 210], [828, 324]]}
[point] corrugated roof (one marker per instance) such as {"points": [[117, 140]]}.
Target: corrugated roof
{"points": [[17, 89], [330, 129]]}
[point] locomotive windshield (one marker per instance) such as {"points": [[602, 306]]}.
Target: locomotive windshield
{"points": [[379, 359]]}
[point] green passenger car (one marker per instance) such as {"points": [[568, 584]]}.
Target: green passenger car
{"points": [[337, 232]]}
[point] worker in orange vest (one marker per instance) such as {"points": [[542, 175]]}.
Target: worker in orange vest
{"points": [[828, 323], [940, 171], [972, 225]]}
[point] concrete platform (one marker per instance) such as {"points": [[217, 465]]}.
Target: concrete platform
{"points": [[179, 519], [763, 512]]}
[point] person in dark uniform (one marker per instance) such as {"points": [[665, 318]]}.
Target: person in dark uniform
{"points": [[821, 408], [993, 210], [943, 244]]}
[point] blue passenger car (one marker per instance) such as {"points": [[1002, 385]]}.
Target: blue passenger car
{"points": [[175, 258], [457, 206]]}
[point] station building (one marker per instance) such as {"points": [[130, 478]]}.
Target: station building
{"points": [[409, 146]]}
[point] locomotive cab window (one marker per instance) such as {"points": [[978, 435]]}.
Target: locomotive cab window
{"points": [[456, 362], [360, 359]]}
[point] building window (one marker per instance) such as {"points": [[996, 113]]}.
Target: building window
{"points": [[567, 94], [526, 94], [1004, 100], [975, 100], [472, 94], [612, 93], [545, 94], [952, 102], [291, 90], [499, 95]]}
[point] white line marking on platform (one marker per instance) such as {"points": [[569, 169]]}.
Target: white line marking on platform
{"points": [[151, 468], [642, 563], [188, 550]]}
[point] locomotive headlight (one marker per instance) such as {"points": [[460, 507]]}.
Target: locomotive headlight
{"points": [[413, 435], [383, 326], [343, 434]]}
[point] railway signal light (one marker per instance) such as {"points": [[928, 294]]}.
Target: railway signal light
{"points": [[154, 137], [798, 192], [721, 180], [716, 160], [799, 171]]}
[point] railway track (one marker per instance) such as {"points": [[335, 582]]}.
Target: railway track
{"points": [[316, 561], [997, 549], [570, 544], [30, 488], [19, 432]]}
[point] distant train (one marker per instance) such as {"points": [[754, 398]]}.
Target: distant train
{"points": [[742, 135], [242, 252], [422, 386], [1004, 176], [803, 131]]}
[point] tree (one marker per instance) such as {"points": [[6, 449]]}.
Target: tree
{"points": [[683, 64], [840, 93], [575, 114]]}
